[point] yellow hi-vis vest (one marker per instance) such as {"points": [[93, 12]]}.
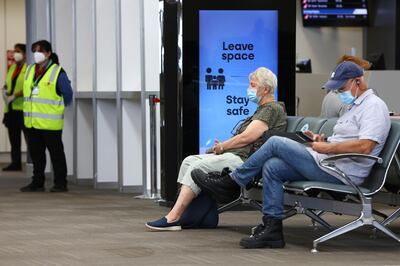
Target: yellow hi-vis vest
{"points": [[18, 102], [43, 107]]}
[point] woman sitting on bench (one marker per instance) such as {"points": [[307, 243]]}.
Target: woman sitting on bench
{"points": [[270, 115]]}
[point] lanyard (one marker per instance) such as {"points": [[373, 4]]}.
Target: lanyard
{"points": [[36, 82]]}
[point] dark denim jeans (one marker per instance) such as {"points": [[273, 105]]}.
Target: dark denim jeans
{"points": [[280, 160]]}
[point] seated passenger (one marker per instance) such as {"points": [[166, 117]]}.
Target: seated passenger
{"points": [[332, 106], [232, 152], [363, 129]]}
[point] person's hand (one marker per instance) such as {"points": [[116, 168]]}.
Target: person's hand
{"points": [[10, 99], [321, 147], [314, 136], [218, 149]]}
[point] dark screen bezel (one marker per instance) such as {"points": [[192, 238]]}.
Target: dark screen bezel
{"points": [[286, 58]]}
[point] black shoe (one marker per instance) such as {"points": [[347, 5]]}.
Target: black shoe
{"points": [[265, 235], [216, 174], [12, 167], [163, 225], [219, 185], [59, 189], [32, 188]]}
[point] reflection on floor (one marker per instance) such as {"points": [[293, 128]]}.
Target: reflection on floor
{"points": [[88, 227]]}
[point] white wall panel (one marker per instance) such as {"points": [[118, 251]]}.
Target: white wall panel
{"points": [[84, 45], [386, 83], [132, 143], [107, 153], [84, 139], [130, 44], [152, 44], [63, 43], [106, 45], [309, 94]]}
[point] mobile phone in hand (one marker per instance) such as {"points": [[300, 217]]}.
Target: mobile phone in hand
{"points": [[304, 137]]}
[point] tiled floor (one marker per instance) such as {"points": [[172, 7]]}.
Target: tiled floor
{"points": [[88, 227]]}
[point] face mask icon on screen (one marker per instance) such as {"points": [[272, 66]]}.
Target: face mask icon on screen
{"points": [[304, 128]]}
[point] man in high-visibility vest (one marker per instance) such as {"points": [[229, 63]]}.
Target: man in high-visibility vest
{"points": [[47, 90], [13, 104]]}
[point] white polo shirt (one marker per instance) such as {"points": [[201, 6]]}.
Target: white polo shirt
{"points": [[367, 118]]}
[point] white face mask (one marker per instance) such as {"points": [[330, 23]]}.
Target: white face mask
{"points": [[18, 57], [39, 57]]}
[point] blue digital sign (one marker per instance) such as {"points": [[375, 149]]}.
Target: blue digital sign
{"points": [[232, 44]]}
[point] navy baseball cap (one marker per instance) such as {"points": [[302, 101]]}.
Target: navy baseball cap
{"points": [[342, 73]]}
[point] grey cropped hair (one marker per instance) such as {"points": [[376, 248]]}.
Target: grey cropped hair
{"points": [[266, 78]]}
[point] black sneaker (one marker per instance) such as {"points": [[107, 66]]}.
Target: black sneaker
{"points": [[32, 188], [219, 185], [269, 234], [59, 189], [12, 167]]}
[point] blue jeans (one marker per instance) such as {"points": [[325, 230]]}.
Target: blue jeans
{"points": [[280, 160]]}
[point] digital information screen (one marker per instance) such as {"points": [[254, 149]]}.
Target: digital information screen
{"points": [[335, 12], [232, 44]]}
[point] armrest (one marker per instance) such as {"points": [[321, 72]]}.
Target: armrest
{"points": [[329, 163], [333, 158]]}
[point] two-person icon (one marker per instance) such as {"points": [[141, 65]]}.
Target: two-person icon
{"points": [[215, 81]]}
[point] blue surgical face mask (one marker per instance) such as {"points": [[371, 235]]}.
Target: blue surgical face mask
{"points": [[346, 97], [252, 95]]}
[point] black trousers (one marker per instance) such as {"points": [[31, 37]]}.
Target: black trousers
{"points": [[14, 121], [39, 140]]}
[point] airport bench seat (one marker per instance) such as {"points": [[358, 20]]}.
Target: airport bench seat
{"points": [[305, 196]]}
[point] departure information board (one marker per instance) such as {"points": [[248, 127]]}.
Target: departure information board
{"points": [[335, 12]]}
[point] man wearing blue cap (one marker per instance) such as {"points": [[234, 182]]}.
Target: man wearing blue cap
{"points": [[362, 129], [332, 106]]}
